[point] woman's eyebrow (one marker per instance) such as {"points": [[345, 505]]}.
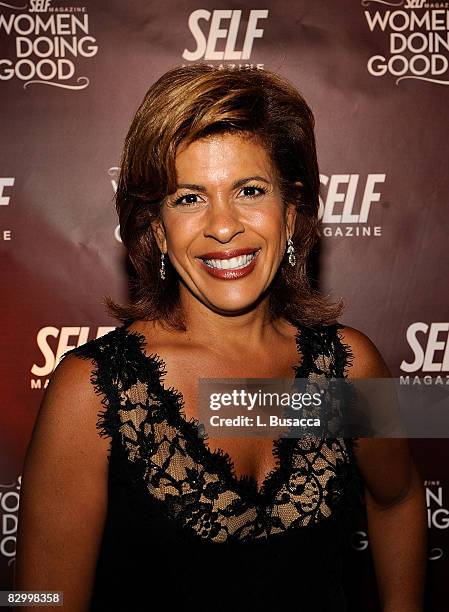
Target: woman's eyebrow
{"points": [[238, 183]]}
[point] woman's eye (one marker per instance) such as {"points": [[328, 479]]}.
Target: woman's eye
{"points": [[190, 199], [251, 191]]}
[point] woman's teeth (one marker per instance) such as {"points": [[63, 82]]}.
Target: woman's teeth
{"points": [[230, 264]]}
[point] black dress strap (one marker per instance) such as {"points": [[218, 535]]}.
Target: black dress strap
{"points": [[316, 342]]}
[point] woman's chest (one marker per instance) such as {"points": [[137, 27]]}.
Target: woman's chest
{"points": [[251, 456]]}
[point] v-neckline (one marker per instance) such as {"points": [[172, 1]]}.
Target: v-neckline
{"points": [[192, 429]]}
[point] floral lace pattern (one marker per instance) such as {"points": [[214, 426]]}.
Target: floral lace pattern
{"points": [[198, 487]]}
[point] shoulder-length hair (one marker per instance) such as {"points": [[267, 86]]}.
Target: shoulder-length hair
{"points": [[183, 105]]}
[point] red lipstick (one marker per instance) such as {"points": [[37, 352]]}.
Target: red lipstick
{"points": [[229, 274]]}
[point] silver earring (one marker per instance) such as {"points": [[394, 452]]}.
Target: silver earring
{"points": [[162, 268], [291, 253]]}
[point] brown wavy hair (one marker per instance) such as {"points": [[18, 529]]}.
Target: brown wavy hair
{"points": [[188, 103]]}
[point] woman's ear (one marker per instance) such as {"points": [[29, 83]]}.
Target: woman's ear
{"points": [[291, 212], [290, 219], [158, 230]]}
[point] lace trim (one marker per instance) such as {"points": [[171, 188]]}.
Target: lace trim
{"points": [[217, 460]]}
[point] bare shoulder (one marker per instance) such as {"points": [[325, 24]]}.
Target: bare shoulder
{"points": [[73, 373], [72, 378], [70, 407], [367, 360]]}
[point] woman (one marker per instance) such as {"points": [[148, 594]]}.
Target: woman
{"points": [[218, 202]]}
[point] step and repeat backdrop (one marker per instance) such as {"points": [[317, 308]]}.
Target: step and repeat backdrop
{"points": [[376, 75]]}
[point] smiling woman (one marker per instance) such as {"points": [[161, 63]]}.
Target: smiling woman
{"points": [[221, 141], [245, 212], [218, 205]]}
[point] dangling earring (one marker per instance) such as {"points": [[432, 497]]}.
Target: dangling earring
{"points": [[162, 268], [291, 253]]}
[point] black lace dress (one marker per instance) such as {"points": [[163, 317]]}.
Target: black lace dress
{"points": [[182, 529]]}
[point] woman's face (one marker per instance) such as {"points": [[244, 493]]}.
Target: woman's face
{"points": [[227, 199]]}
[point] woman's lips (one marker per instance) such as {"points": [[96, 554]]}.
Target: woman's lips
{"points": [[231, 274]]}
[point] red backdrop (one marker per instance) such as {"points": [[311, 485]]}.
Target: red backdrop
{"points": [[375, 73]]}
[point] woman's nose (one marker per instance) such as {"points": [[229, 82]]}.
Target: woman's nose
{"points": [[223, 221]]}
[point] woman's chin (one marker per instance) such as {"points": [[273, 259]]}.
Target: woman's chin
{"points": [[232, 307]]}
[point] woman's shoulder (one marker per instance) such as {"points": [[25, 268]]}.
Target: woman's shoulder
{"points": [[85, 370], [109, 345], [367, 360], [79, 367], [70, 406]]}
